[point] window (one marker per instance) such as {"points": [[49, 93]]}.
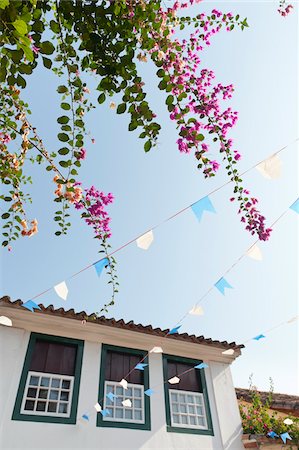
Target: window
{"points": [[49, 385], [117, 363], [187, 404]]}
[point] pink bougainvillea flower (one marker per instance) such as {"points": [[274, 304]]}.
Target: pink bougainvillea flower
{"points": [[35, 49]]}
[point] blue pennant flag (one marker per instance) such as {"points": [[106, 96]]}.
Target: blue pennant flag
{"points": [[149, 392], [221, 285], [105, 412], [85, 417], [202, 205], [111, 396], [285, 436], [174, 330], [295, 206], [272, 434], [260, 336], [140, 366], [99, 266], [30, 305], [201, 366]]}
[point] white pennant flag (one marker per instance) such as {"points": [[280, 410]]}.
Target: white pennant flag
{"points": [[196, 311], [230, 351], [145, 240], [174, 380], [156, 350], [293, 319], [288, 421], [5, 321], [127, 402], [270, 168], [124, 383], [98, 407], [61, 290], [254, 252]]}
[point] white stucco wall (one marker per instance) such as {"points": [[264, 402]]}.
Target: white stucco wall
{"points": [[46, 436]]}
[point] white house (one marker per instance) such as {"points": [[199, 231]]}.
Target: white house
{"points": [[55, 367]]}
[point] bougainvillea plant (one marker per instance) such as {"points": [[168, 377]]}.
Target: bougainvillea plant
{"points": [[110, 39], [259, 419]]}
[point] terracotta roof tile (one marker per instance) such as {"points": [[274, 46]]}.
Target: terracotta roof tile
{"points": [[102, 320]]}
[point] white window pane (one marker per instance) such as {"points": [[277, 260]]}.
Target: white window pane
{"points": [[192, 420], [182, 398], [128, 414], [34, 381], [137, 414], [118, 401], [184, 420], [119, 413], [176, 418], [174, 397], [188, 411], [42, 392], [119, 390], [110, 411], [129, 392], [137, 392], [137, 403]]}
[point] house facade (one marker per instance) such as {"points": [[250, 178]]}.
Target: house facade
{"points": [[67, 382]]}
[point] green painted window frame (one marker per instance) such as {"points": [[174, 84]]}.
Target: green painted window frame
{"points": [[202, 379], [147, 413], [17, 415]]}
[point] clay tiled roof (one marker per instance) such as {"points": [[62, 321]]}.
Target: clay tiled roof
{"points": [[288, 404], [71, 314]]}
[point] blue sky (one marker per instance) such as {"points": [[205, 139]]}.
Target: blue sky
{"points": [[159, 285]]}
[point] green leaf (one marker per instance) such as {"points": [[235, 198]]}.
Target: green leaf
{"points": [[47, 48], [169, 100], [54, 26], [147, 146], [5, 215], [65, 106], [63, 137], [63, 164], [133, 125], [121, 108], [63, 119], [20, 26], [63, 151], [101, 98], [62, 89], [4, 3], [47, 62], [57, 233], [28, 53]]}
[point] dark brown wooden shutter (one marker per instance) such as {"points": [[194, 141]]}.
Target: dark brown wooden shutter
{"points": [[53, 357], [118, 365], [189, 381]]}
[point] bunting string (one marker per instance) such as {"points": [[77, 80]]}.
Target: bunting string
{"points": [[198, 207]]}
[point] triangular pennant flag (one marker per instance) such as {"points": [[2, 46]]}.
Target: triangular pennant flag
{"points": [[85, 417], [174, 330], [156, 350], [5, 321], [127, 403], [98, 407], [254, 252], [230, 351], [270, 168], [124, 383], [105, 412], [196, 311], [285, 436], [295, 206], [201, 366], [99, 266], [61, 290], [111, 396], [30, 305], [140, 366], [221, 285], [149, 392], [258, 337], [145, 240], [272, 434], [288, 421], [174, 380], [202, 205]]}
